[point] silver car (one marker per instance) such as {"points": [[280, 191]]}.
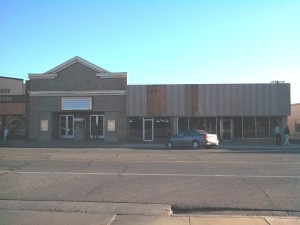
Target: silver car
{"points": [[193, 138]]}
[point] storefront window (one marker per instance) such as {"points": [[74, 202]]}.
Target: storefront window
{"points": [[183, 123], [297, 126], [274, 121], [135, 128], [238, 127], [211, 125], [197, 123], [16, 126], [162, 127], [249, 127], [262, 127]]}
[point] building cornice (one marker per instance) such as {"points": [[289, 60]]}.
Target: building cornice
{"points": [[112, 75], [34, 76]]}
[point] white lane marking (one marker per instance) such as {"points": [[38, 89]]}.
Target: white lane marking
{"points": [[152, 174]]}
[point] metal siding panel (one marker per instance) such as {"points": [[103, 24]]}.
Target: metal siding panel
{"points": [[201, 99], [175, 101], [182, 109], [247, 98], [207, 104], [241, 99], [259, 100], [143, 100], [267, 99], [284, 102], [273, 99], [253, 99], [169, 100], [227, 102], [219, 89], [234, 102], [214, 100]]}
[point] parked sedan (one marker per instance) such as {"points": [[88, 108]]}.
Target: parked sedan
{"points": [[193, 138]]}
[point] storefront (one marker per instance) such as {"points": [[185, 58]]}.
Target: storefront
{"points": [[78, 100], [13, 108], [232, 111]]}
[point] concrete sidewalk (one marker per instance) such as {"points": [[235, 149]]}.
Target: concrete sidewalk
{"points": [[59, 218], [88, 213]]}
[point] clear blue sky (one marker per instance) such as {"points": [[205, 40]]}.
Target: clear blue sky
{"points": [[156, 41]]}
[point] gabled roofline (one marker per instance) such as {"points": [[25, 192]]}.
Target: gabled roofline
{"points": [[75, 60]]}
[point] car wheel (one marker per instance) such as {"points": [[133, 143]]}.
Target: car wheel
{"points": [[195, 145], [170, 145], [208, 146]]}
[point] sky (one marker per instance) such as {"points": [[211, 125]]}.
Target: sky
{"points": [[156, 41]]}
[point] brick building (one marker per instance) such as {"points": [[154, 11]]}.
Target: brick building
{"points": [[77, 100]]}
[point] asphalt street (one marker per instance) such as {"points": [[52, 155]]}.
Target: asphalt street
{"points": [[188, 180]]}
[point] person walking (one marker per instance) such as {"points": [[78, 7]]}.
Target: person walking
{"points": [[277, 135], [5, 134], [286, 133]]}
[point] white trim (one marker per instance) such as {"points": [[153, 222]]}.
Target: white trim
{"points": [[74, 60], [77, 93], [112, 75], [33, 76], [67, 122], [152, 129], [97, 121]]}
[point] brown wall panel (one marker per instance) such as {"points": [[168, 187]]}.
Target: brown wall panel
{"points": [[12, 108]]}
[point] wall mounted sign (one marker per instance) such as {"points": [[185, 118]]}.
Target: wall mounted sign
{"points": [[76, 103]]}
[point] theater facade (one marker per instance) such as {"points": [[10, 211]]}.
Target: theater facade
{"points": [[77, 100], [81, 101]]}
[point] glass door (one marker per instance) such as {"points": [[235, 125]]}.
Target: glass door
{"points": [[67, 126], [96, 126], [226, 129], [148, 130]]}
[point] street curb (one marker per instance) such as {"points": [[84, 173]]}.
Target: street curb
{"points": [[88, 207]]}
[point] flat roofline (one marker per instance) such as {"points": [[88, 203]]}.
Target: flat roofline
{"points": [[11, 78]]}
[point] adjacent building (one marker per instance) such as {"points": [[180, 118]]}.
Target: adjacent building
{"points": [[294, 121], [233, 111], [13, 107], [79, 100]]}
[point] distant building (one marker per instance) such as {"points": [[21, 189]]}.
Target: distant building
{"points": [[13, 107], [294, 121], [79, 100]]}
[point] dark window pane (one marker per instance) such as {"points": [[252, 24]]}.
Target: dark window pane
{"points": [[197, 123], [249, 127], [262, 127], [297, 126], [182, 123], [238, 127], [211, 125], [135, 128], [162, 127]]}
